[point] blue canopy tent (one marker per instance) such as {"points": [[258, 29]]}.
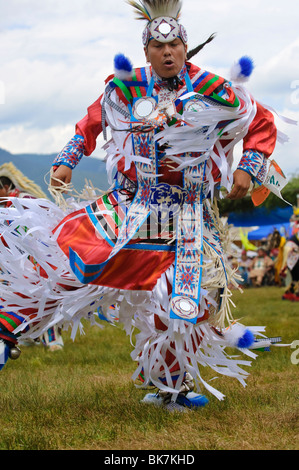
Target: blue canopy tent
{"points": [[266, 221], [264, 230]]}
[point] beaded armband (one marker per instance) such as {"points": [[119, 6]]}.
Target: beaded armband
{"points": [[255, 164], [72, 153]]}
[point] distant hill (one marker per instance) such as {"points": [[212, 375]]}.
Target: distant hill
{"points": [[36, 167]]}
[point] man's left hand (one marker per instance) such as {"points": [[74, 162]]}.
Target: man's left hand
{"points": [[241, 185]]}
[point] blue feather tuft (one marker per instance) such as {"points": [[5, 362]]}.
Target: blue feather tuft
{"points": [[122, 64], [246, 340], [246, 65]]}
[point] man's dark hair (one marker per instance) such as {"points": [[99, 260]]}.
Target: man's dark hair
{"points": [[5, 181], [196, 50]]}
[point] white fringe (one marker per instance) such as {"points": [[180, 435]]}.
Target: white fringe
{"points": [[135, 309]]}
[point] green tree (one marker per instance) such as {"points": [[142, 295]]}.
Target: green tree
{"points": [[289, 193]]}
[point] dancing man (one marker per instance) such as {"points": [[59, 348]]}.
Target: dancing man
{"points": [[154, 246]]}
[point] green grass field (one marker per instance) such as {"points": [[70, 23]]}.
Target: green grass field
{"points": [[82, 398]]}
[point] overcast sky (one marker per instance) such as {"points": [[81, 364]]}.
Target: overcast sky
{"points": [[56, 54]]}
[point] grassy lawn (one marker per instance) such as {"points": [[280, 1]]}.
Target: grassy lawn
{"points": [[82, 398]]}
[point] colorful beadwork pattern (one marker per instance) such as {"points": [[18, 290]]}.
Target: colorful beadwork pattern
{"points": [[107, 214], [254, 163], [189, 240], [146, 176], [72, 153]]}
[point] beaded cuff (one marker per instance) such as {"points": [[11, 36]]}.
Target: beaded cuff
{"points": [[255, 164], [72, 153]]}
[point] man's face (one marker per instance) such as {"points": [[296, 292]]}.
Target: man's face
{"points": [[167, 59]]}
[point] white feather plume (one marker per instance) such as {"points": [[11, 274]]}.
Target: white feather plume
{"points": [[151, 9]]}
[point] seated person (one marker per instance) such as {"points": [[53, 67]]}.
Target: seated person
{"points": [[261, 265], [244, 267]]}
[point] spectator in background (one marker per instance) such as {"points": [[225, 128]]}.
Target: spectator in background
{"points": [[260, 266], [14, 184], [277, 244], [291, 259], [273, 245], [244, 268]]}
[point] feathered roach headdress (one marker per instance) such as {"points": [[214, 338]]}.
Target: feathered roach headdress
{"points": [[162, 20]]}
